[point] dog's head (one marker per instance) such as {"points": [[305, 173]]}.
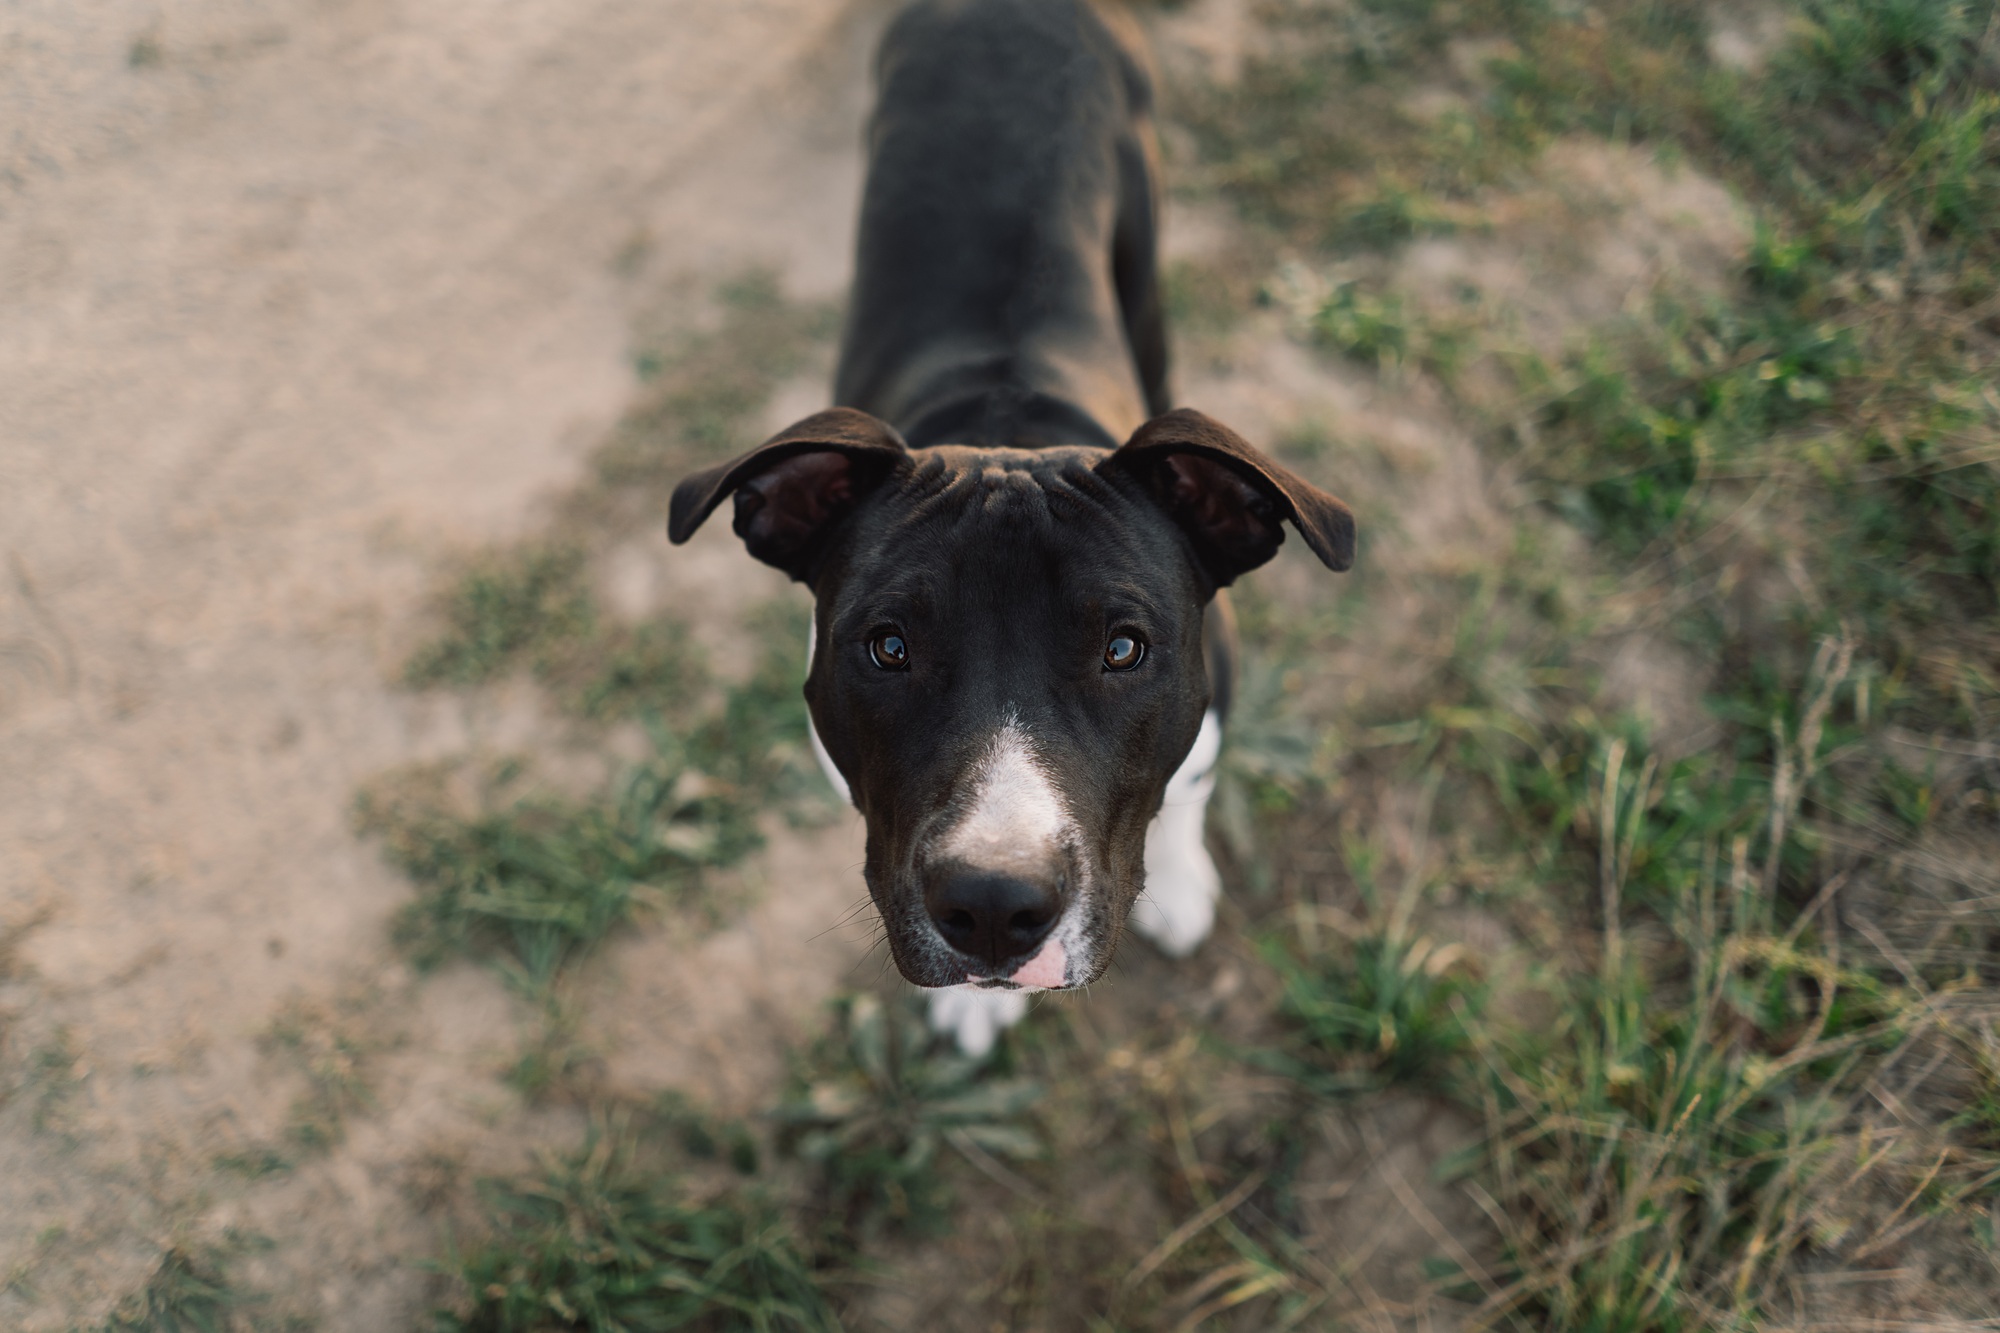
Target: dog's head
{"points": [[1007, 661]]}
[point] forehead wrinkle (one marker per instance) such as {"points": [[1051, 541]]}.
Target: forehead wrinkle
{"points": [[1004, 526]]}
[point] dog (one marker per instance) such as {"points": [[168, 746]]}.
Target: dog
{"points": [[1016, 546]]}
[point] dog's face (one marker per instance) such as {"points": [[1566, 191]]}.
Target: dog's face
{"points": [[1007, 661], [1007, 670]]}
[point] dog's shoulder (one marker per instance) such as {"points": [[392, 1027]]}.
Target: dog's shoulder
{"points": [[1017, 43]]}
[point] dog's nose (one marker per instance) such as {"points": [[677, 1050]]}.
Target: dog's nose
{"points": [[996, 918]]}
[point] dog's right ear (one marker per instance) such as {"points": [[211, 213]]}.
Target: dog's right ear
{"points": [[792, 489]]}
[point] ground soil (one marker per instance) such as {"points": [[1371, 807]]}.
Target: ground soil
{"points": [[301, 299]]}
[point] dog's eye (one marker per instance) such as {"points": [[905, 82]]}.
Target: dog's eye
{"points": [[888, 651], [1123, 653]]}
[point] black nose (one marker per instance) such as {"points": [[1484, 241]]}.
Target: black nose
{"points": [[996, 918]]}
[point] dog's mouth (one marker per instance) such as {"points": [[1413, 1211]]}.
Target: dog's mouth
{"points": [[1048, 969]]}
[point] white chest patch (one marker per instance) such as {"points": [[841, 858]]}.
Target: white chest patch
{"points": [[1017, 818]]}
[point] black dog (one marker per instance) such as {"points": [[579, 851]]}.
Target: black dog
{"points": [[1014, 661]]}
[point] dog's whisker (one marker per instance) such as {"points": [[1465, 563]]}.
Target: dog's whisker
{"points": [[847, 918]]}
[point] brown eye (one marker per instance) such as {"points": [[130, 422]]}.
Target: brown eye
{"points": [[1123, 653], [889, 652]]}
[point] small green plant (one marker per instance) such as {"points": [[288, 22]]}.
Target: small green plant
{"points": [[1381, 1009], [185, 1294], [509, 605], [534, 879], [650, 670], [1393, 215], [542, 877], [877, 1102], [253, 1163], [1366, 326], [602, 1241]]}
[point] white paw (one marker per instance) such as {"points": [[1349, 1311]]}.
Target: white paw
{"points": [[976, 1017], [1177, 910]]}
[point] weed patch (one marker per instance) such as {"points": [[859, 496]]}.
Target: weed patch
{"points": [[879, 1100], [1381, 1009], [185, 1294], [516, 603], [606, 1239], [532, 880], [1795, 480]]}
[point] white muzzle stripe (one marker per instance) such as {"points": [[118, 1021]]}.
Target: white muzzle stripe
{"points": [[1017, 820]]}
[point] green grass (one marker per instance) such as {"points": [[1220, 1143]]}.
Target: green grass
{"points": [[533, 606], [1727, 946], [877, 1103], [668, 1217], [647, 670], [542, 877], [1378, 1009], [608, 1241], [516, 602], [185, 1294], [702, 391], [529, 879], [533, 879]]}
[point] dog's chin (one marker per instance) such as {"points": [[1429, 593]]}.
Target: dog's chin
{"points": [[937, 968], [932, 967]]}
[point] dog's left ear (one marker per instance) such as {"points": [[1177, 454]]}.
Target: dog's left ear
{"points": [[792, 489], [1230, 499]]}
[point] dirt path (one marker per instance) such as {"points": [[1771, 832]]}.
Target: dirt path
{"points": [[300, 298]]}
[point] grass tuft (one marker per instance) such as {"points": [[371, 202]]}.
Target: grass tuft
{"points": [[542, 877], [601, 1241], [877, 1102], [1380, 1010], [185, 1294], [512, 604], [533, 880]]}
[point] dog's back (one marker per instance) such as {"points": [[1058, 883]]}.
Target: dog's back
{"points": [[1005, 289]]}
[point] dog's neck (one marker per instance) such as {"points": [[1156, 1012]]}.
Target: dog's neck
{"points": [[1005, 416]]}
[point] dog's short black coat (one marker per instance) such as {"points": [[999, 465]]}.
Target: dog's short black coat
{"points": [[1006, 290], [972, 500]]}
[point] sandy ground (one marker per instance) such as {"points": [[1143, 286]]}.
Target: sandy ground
{"points": [[300, 298], [297, 299]]}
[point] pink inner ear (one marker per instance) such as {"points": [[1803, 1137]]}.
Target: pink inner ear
{"points": [[793, 498]]}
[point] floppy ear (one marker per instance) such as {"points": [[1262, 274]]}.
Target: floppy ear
{"points": [[792, 489], [1230, 499]]}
